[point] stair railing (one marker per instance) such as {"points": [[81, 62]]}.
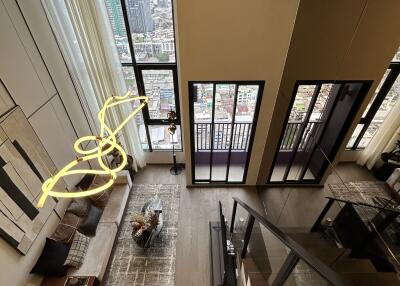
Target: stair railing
{"points": [[297, 252], [394, 213]]}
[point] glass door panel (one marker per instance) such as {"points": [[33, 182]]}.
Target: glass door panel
{"points": [[202, 98], [245, 109], [316, 125], [223, 116], [159, 87], [311, 132]]}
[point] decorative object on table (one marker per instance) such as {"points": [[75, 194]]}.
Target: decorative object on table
{"points": [[152, 266], [107, 138], [175, 170], [148, 224]]}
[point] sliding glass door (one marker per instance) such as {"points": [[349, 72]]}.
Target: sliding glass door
{"points": [[320, 114], [223, 120]]}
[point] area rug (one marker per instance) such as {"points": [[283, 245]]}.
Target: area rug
{"points": [[134, 266]]}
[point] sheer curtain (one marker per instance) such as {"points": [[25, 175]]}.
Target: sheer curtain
{"points": [[85, 38], [383, 140]]}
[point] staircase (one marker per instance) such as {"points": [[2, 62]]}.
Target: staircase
{"points": [[297, 257]]}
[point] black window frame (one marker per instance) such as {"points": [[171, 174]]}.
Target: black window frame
{"points": [[364, 90], [237, 83], [139, 67], [394, 73]]}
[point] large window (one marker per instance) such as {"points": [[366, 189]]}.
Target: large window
{"points": [[385, 98], [144, 36]]}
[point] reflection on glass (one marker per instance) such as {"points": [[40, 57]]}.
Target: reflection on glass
{"points": [[141, 130], [152, 28], [354, 136], [159, 87], [301, 102], [244, 115], [130, 80], [307, 140], [162, 140], [376, 92], [202, 106], [116, 19], [384, 109]]}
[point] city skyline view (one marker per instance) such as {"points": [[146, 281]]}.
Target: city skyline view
{"points": [[152, 33]]}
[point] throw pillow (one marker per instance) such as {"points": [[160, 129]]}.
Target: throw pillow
{"points": [[78, 249], [85, 182], [100, 199], [51, 261], [89, 225], [66, 228], [79, 207]]}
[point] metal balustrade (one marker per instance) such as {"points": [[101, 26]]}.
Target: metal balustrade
{"points": [[241, 135], [222, 136], [293, 130]]}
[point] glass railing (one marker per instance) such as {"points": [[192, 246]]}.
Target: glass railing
{"points": [[358, 226], [268, 253]]}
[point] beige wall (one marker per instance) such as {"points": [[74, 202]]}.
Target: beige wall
{"points": [[335, 40], [33, 70], [234, 40]]}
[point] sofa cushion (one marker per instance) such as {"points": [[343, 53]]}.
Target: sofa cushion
{"points": [[51, 261], [116, 204], [98, 252], [79, 207], [66, 228], [100, 199], [89, 225]]}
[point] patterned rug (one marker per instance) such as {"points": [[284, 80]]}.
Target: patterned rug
{"points": [[134, 266]]}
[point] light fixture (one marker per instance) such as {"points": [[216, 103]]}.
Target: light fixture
{"points": [[106, 143]]}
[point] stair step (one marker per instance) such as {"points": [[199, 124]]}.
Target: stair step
{"points": [[354, 265], [256, 279], [329, 255], [373, 279], [249, 268], [312, 239]]}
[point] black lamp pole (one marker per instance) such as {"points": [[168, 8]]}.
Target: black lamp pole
{"points": [[175, 170]]}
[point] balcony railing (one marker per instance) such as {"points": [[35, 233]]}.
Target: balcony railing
{"points": [[222, 136], [293, 130], [241, 136]]}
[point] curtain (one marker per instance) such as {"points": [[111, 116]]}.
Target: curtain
{"points": [[94, 44], [383, 140]]}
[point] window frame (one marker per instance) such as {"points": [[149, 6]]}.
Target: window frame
{"points": [[394, 73], [139, 67]]}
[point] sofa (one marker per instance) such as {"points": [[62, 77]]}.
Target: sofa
{"points": [[101, 245]]}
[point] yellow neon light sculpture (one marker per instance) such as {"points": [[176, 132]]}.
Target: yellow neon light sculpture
{"points": [[107, 142]]}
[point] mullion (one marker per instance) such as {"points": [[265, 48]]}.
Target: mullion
{"points": [[302, 129], [380, 97], [212, 131], [336, 99], [138, 67], [228, 163]]}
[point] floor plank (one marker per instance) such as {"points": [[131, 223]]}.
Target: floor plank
{"points": [[293, 207]]}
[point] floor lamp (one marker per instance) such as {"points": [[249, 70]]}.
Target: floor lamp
{"points": [[175, 170]]}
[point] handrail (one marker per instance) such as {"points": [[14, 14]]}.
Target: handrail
{"points": [[387, 247], [363, 204], [326, 272]]}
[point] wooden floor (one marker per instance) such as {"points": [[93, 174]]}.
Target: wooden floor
{"points": [[285, 206]]}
